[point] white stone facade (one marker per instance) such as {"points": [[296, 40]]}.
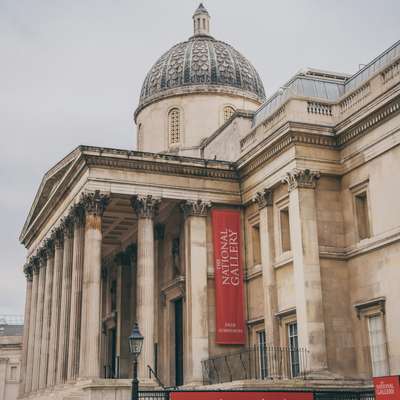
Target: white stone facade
{"points": [[118, 236]]}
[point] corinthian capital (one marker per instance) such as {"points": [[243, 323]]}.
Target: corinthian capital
{"points": [[195, 208], [263, 199], [301, 178], [78, 214], [95, 203], [42, 256], [28, 271], [57, 235], [67, 225], [49, 247], [145, 206]]}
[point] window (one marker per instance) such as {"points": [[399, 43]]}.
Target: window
{"points": [[377, 345], [262, 354], [293, 342], [361, 206], [255, 233], [228, 112], [13, 373], [174, 126], [285, 231]]}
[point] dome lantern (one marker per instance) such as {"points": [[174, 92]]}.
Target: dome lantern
{"points": [[201, 21]]}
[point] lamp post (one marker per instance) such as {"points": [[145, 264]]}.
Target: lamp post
{"points": [[135, 347]]}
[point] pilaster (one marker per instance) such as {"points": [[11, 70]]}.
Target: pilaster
{"points": [[307, 271], [264, 201]]}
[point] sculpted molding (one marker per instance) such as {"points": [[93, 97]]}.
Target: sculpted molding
{"points": [[195, 208], [145, 206], [304, 179]]}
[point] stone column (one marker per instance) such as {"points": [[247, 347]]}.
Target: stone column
{"points": [[89, 360], [65, 307], [28, 299], [78, 214], [32, 319], [39, 319], [44, 353], [264, 201], [195, 213], [3, 377], [58, 238], [307, 271], [146, 208], [159, 231]]}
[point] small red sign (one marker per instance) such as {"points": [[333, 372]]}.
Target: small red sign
{"points": [[387, 388], [241, 396]]}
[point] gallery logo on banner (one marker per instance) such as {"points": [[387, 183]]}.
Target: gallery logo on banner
{"points": [[387, 388], [228, 277]]}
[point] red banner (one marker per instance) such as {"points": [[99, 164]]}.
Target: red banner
{"points": [[241, 396], [387, 388], [228, 277]]}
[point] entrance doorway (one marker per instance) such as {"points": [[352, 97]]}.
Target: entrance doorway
{"points": [[178, 308]]}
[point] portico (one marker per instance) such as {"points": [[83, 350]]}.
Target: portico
{"points": [[128, 244]]}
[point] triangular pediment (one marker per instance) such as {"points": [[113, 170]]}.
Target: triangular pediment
{"points": [[50, 182]]}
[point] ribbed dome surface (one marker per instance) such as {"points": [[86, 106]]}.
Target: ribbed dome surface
{"points": [[201, 63]]}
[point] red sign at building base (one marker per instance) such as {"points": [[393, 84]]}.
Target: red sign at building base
{"points": [[241, 395], [387, 388]]}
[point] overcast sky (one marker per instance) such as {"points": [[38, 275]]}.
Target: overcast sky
{"points": [[71, 72]]}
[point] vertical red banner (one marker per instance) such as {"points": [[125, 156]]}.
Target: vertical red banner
{"points": [[387, 387], [228, 277]]}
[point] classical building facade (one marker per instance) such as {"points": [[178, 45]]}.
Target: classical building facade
{"points": [[118, 236], [11, 330]]}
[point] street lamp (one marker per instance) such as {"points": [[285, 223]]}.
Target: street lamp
{"points": [[135, 347]]}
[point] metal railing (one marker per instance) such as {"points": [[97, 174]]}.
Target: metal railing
{"points": [[257, 362], [336, 395], [153, 395]]}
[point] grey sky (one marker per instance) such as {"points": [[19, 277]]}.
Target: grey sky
{"points": [[71, 73]]}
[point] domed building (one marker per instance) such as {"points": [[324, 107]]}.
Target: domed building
{"points": [[192, 90], [250, 242]]}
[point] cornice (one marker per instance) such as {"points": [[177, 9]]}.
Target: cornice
{"points": [[293, 135], [157, 167]]}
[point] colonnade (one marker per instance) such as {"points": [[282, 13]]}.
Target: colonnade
{"points": [[62, 338]]}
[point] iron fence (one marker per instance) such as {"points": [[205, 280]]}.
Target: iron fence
{"points": [[257, 362], [338, 395], [154, 395]]}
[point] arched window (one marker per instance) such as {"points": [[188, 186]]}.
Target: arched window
{"points": [[174, 126], [228, 112]]}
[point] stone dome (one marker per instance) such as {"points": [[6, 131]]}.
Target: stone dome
{"points": [[201, 64]]}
